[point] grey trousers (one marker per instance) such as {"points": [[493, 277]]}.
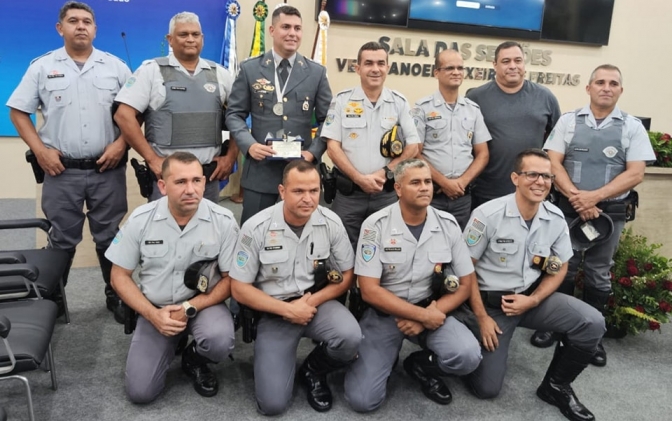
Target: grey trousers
{"points": [[276, 345], [150, 353], [597, 261], [457, 350], [64, 198], [561, 313], [211, 192], [460, 208], [354, 209]]}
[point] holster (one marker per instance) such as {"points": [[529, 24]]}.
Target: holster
{"points": [[343, 184], [493, 299], [130, 319], [144, 176], [38, 172], [250, 320], [328, 182], [356, 304]]}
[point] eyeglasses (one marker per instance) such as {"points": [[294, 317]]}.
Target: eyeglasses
{"points": [[451, 68], [534, 176]]}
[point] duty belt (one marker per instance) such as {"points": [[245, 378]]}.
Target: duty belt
{"points": [[493, 299], [80, 164]]}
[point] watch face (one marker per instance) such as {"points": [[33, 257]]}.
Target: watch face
{"points": [[190, 312], [389, 175]]}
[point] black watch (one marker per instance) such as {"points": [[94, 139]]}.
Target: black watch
{"points": [[189, 310], [389, 174]]}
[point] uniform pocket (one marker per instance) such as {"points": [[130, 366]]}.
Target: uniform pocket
{"points": [[275, 265], [153, 251], [505, 252], [206, 251], [573, 169], [58, 93], [440, 256], [106, 89]]}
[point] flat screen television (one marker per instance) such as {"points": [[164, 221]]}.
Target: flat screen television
{"points": [[577, 21], [372, 12]]}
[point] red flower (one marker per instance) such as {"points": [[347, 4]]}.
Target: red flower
{"points": [[631, 262], [611, 302], [651, 285], [648, 267], [665, 307], [654, 325], [612, 275], [665, 136], [633, 271], [667, 285], [626, 282], [640, 309]]}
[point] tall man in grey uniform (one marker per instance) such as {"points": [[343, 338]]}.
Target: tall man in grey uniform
{"points": [[402, 249], [181, 99], [511, 239], [518, 113], [453, 137], [276, 255], [599, 154], [78, 146], [358, 118], [164, 238], [281, 90]]}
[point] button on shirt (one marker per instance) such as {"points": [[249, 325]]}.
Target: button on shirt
{"points": [[448, 135], [145, 89], [388, 251], [499, 239], [75, 103], [270, 256], [152, 240], [359, 126]]}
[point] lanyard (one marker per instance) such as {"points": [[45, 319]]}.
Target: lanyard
{"points": [[278, 93]]}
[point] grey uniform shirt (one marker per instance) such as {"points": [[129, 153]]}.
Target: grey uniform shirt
{"points": [[152, 240], [270, 256], [448, 135], [145, 89], [388, 251], [499, 239], [76, 104], [359, 126]]}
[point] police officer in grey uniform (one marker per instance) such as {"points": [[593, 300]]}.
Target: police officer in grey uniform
{"points": [[599, 154], [454, 137], [276, 255], [280, 90], [520, 245], [401, 249], [164, 238], [78, 146], [181, 98], [357, 119]]}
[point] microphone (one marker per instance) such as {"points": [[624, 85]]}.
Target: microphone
{"points": [[128, 55]]}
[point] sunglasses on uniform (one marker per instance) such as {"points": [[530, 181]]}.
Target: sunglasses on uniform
{"points": [[534, 176]]}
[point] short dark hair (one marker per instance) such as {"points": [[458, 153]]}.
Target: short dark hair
{"points": [[370, 46], [75, 5], [606, 67], [505, 46], [285, 10], [183, 157], [300, 165], [518, 164], [437, 59]]}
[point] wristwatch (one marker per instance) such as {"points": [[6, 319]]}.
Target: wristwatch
{"points": [[389, 174], [189, 310]]}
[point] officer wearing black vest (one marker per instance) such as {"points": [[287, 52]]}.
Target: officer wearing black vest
{"points": [[181, 98], [598, 154]]}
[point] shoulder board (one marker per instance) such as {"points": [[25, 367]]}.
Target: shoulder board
{"points": [[445, 215], [329, 214], [143, 209], [259, 219], [345, 91], [399, 94], [424, 100], [148, 62], [37, 58], [472, 103], [220, 210], [553, 209], [210, 63], [493, 206], [113, 56], [253, 57]]}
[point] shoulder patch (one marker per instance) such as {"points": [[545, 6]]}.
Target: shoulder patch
{"points": [[39, 57], [368, 251], [473, 237], [241, 258]]}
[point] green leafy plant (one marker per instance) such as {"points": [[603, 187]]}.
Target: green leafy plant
{"points": [[662, 147], [641, 281]]}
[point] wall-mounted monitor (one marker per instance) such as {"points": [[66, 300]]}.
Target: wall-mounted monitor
{"points": [[372, 12], [578, 21]]}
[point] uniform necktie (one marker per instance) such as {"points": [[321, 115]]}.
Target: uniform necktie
{"points": [[283, 72]]}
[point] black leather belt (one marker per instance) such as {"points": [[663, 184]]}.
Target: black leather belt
{"points": [[80, 164], [493, 299]]}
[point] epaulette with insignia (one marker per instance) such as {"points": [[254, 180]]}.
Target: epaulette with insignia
{"points": [[425, 99], [43, 55]]}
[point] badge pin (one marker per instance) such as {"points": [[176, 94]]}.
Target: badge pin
{"points": [[210, 87], [268, 61], [274, 269], [305, 106]]}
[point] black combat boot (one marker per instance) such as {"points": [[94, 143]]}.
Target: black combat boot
{"points": [[423, 367], [112, 300], [568, 362], [196, 367], [57, 296], [313, 373], [597, 299]]}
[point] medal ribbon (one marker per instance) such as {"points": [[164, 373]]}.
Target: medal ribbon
{"points": [[260, 12], [228, 56]]}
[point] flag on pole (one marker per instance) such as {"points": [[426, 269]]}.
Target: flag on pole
{"points": [[260, 12], [229, 58], [320, 50]]}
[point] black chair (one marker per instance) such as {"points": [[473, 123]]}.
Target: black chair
{"points": [[3, 414], [26, 328], [50, 265]]}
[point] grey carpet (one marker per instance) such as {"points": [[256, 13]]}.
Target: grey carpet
{"points": [[90, 358]]}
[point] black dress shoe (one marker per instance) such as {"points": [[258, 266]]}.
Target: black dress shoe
{"points": [[196, 367], [432, 385], [319, 394], [562, 396], [543, 339], [600, 357]]}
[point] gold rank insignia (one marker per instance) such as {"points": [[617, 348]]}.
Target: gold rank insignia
{"points": [[353, 135]]}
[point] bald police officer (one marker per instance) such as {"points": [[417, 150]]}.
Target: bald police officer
{"points": [[280, 90], [599, 154], [276, 255], [164, 238], [357, 119], [402, 249], [181, 99], [78, 146], [520, 245], [454, 138]]}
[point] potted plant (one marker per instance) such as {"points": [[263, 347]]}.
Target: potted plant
{"points": [[662, 147]]}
